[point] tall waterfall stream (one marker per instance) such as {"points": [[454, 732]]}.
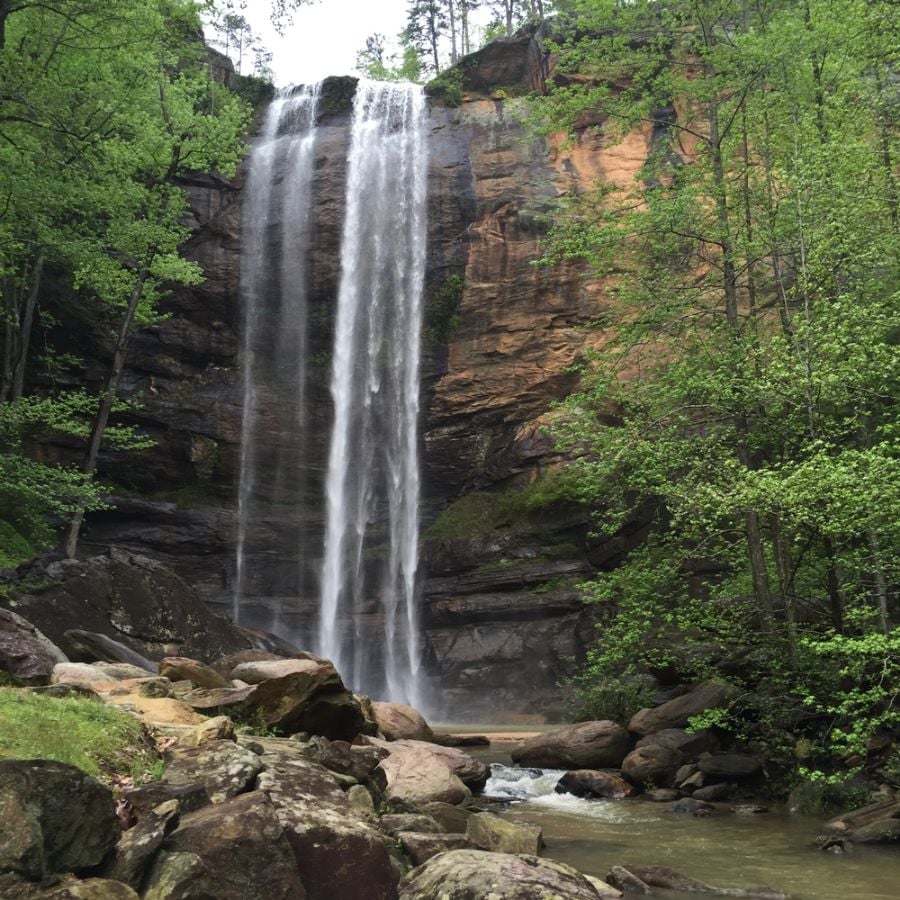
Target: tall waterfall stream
{"points": [[372, 477]]}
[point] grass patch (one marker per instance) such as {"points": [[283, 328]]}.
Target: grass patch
{"points": [[82, 732], [483, 513]]}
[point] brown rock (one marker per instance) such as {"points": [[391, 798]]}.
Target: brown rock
{"points": [[158, 710], [476, 874], [397, 721], [236, 850], [225, 665], [691, 744], [25, 654], [471, 772], [735, 766], [652, 764], [678, 712], [53, 818], [219, 728], [590, 745], [421, 777], [256, 671], [453, 819], [595, 783], [181, 668]]}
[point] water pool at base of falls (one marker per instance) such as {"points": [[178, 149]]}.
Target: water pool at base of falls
{"points": [[727, 849]]}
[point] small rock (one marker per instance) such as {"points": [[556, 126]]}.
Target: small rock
{"points": [[154, 687], [219, 728], [627, 882], [692, 807], [138, 845], [490, 832], [603, 889], [685, 772], [453, 819], [694, 783], [395, 822], [361, 799]]}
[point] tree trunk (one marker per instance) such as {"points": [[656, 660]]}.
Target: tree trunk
{"points": [[107, 398], [27, 323], [454, 52]]}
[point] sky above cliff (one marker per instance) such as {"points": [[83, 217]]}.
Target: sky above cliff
{"points": [[325, 37]]}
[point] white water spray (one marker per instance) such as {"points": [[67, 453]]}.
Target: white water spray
{"points": [[373, 468], [274, 288]]}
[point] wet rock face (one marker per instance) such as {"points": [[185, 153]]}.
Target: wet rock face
{"points": [[500, 337]]}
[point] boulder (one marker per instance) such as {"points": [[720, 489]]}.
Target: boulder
{"points": [[53, 818], [689, 743], [213, 698], [471, 772], [627, 882], [131, 599], [731, 766], [590, 745], [138, 845], [147, 797], [218, 728], [713, 792], [478, 874], [595, 783], [125, 672], [453, 819], [603, 889], [337, 853], [360, 798], [89, 646], [342, 758], [66, 887], [236, 850], [225, 665], [881, 831], [157, 710], [82, 673], [257, 671], [181, 668], [222, 767], [397, 721], [25, 654], [392, 823], [678, 712], [490, 832], [316, 702], [884, 809], [421, 777], [420, 847], [652, 764], [669, 879]]}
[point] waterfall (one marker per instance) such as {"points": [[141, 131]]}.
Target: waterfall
{"points": [[372, 483], [274, 287]]}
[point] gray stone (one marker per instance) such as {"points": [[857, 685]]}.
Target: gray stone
{"points": [[138, 845], [421, 846], [730, 765], [490, 832], [222, 767], [653, 764], [589, 745]]}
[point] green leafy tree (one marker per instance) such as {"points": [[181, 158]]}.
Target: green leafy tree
{"points": [[742, 398]]}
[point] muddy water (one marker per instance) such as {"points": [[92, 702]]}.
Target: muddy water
{"points": [[728, 849]]}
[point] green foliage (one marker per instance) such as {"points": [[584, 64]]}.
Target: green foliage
{"points": [[15, 548], [743, 405], [484, 513], [253, 89], [591, 699], [442, 312], [86, 733], [447, 88]]}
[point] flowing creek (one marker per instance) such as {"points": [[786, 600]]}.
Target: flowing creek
{"points": [[728, 850]]}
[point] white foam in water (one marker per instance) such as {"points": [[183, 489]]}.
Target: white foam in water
{"points": [[537, 787]]}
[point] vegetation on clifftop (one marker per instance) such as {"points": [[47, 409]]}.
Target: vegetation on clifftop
{"points": [[746, 391]]}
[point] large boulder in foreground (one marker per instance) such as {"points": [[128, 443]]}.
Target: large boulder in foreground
{"points": [[397, 721], [477, 874], [589, 745], [677, 713], [473, 773], [236, 850], [129, 598], [337, 852], [25, 654], [53, 818]]}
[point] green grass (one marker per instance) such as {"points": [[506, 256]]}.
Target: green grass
{"points": [[484, 513], [15, 548], [82, 732]]}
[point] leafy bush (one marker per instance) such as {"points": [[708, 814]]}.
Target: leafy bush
{"points": [[447, 88]]}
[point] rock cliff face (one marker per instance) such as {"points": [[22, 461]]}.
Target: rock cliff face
{"points": [[502, 616]]}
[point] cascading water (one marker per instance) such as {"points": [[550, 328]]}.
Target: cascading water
{"points": [[274, 288], [372, 487]]}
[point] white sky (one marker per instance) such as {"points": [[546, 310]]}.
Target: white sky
{"points": [[325, 37]]}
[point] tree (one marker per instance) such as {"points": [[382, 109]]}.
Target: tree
{"points": [[400, 65], [426, 24], [741, 402], [94, 194]]}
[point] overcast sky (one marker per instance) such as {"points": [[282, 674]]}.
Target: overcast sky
{"points": [[325, 36]]}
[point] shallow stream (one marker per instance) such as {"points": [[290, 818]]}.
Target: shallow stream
{"points": [[727, 849]]}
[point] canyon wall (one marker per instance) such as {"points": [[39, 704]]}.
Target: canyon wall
{"points": [[503, 554]]}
